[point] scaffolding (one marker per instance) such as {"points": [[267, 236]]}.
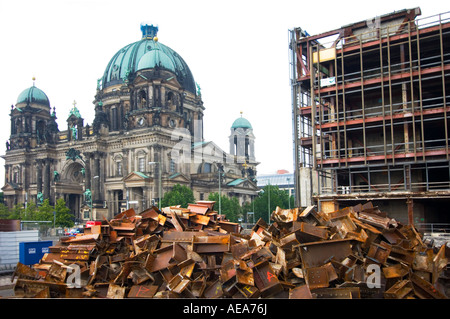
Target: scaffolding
{"points": [[370, 107]]}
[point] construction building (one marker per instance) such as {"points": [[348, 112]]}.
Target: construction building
{"points": [[370, 115]]}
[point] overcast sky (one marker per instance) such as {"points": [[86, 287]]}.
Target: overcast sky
{"points": [[237, 51]]}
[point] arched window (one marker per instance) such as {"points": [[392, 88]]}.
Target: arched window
{"points": [[16, 175], [40, 131], [171, 101], [119, 169], [207, 168], [172, 166], [142, 100], [141, 163]]}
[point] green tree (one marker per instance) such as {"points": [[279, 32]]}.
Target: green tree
{"points": [[268, 199], [45, 211], [228, 206], [63, 216], [4, 211], [248, 207], [179, 195], [31, 211], [17, 212]]}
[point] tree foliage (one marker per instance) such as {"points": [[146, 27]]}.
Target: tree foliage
{"points": [[228, 206], [4, 211], [63, 217], [179, 195], [43, 212], [266, 202]]}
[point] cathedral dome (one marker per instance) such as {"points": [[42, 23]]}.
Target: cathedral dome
{"points": [[147, 53], [241, 123], [33, 95], [155, 58]]}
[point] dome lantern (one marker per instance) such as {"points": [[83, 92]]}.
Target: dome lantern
{"points": [[149, 31]]}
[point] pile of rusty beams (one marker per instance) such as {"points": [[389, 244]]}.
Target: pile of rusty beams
{"points": [[191, 253]]}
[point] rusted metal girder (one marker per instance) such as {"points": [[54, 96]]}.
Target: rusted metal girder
{"points": [[175, 253], [317, 254]]}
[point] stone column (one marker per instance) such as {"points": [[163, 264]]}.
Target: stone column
{"points": [[125, 162], [87, 170], [110, 202], [46, 191], [96, 180], [39, 176]]}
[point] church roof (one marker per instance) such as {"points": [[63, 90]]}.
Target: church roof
{"points": [[241, 123], [147, 53], [33, 95], [237, 181]]}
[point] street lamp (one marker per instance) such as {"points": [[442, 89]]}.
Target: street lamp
{"points": [[92, 208], [159, 181], [289, 192]]}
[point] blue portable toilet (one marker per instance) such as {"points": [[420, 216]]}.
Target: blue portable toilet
{"points": [[31, 253]]}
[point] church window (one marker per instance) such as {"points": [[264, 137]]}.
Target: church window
{"points": [[16, 176], [142, 101], [119, 168], [172, 166], [115, 119], [171, 103], [141, 164], [207, 168]]}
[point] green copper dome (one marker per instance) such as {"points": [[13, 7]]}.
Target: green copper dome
{"points": [[147, 53], [156, 58], [33, 95], [241, 123]]}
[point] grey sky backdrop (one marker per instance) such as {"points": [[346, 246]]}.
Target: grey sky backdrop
{"points": [[238, 52]]}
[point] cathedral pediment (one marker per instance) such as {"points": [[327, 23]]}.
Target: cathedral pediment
{"points": [[243, 183], [136, 177], [10, 188], [179, 178]]}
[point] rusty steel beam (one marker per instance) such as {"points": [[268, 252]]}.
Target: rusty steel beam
{"points": [[296, 257]]}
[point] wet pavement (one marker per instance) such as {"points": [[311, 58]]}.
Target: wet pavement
{"points": [[6, 286]]}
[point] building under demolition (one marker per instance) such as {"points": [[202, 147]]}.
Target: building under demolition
{"points": [[370, 115]]}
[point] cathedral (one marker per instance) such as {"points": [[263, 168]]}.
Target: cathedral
{"points": [[146, 137]]}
